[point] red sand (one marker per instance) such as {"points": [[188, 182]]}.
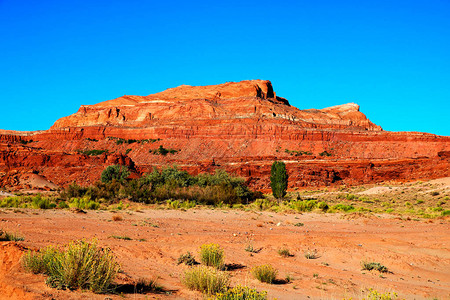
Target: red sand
{"points": [[416, 252]]}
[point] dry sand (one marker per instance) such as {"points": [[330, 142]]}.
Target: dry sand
{"points": [[416, 252]]}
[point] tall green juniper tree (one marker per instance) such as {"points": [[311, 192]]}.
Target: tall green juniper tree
{"points": [[278, 179]]}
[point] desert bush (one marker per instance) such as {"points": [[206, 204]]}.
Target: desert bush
{"points": [[209, 195], [212, 255], [42, 202], [263, 204], [94, 152], [6, 236], [24, 142], [83, 203], [284, 252], [142, 285], [39, 261], [325, 153], [343, 207], [311, 254], [80, 264], [177, 204], [187, 259], [206, 280], [12, 202], [169, 183], [73, 191], [241, 293], [117, 217], [138, 190], [121, 237], [322, 205], [250, 248], [374, 266], [63, 205], [351, 197], [278, 179], [264, 273], [100, 191], [303, 205], [116, 172], [375, 295], [163, 151]]}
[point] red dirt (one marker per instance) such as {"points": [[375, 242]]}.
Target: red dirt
{"points": [[416, 252], [241, 127]]}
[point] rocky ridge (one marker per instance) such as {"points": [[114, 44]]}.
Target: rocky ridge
{"points": [[239, 126]]}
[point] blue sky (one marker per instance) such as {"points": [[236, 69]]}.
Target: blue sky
{"points": [[390, 57]]}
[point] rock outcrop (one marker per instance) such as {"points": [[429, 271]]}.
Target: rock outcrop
{"points": [[241, 127]]}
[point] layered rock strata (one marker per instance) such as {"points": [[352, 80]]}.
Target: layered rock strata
{"points": [[241, 127]]}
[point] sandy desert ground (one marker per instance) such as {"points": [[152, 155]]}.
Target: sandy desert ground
{"points": [[416, 253]]}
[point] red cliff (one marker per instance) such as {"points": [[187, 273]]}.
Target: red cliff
{"points": [[241, 127]]}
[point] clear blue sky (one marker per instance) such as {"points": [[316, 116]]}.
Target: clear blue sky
{"points": [[390, 57]]}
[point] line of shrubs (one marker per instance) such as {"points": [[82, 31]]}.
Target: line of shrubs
{"points": [[166, 184], [120, 141]]}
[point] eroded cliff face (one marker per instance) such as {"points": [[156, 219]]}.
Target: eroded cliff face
{"points": [[241, 127]]}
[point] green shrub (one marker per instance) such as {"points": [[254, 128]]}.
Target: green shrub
{"points": [[94, 152], [241, 293], [42, 202], [6, 236], [40, 261], [351, 197], [83, 203], [311, 254], [265, 273], [63, 204], [325, 153], [143, 286], [284, 252], [278, 179], [322, 205], [303, 205], [343, 207], [375, 295], [187, 259], [121, 237], [12, 202], [177, 204], [263, 204], [116, 172], [206, 280], [24, 142], [80, 265], [163, 151], [170, 183], [251, 249], [374, 266], [212, 255]]}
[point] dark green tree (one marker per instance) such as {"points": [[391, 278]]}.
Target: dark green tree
{"points": [[278, 179], [116, 172]]}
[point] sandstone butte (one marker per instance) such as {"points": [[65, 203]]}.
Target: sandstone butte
{"points": [[241, 127]]}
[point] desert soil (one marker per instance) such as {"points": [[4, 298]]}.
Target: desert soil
{"points": [[416, 252]]}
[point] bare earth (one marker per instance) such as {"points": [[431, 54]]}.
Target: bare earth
{"points": [[416, 252]]}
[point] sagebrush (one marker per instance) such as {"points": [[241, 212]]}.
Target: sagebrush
{"points": [[79, 264]]}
